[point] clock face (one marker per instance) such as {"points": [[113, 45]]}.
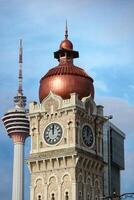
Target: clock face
{"points": [[87, 136], [53, 133]]}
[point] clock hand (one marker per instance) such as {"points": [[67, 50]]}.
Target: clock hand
{"points": [[53, 130], [87, 132]]}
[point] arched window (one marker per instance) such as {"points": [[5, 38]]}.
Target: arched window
{"points": [[66, 196], [53, 197]]}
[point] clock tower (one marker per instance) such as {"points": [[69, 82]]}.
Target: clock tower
{"points": [[66, 128]]}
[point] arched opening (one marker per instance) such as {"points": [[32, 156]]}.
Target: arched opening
{"points": [[39, 197], [52, 196], [66, 196], [88, 197]]}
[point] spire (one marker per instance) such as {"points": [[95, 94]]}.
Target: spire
{"points": [[20, 100], [20, 52], [20, 69], [66, 31]]}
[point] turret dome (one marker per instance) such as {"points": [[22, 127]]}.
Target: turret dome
{"points": [[66, 44]]}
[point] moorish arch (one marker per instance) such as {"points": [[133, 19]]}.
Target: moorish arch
{"points": [[39, 188], [52, 190], [97, 189], [80, 187], [89, 188], [66, 192]]}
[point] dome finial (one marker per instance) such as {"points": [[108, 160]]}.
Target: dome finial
{"points": [[66, 31]]}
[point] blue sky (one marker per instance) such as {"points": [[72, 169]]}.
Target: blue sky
{"points": [[101, 30]]}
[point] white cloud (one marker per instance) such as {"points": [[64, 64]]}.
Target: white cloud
{"points": [[122, 111], [131, 86]]}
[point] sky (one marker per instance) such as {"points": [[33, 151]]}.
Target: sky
{"points": [[103, 33]]}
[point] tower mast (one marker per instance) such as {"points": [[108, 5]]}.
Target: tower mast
{"points": [[20, 69], [17, 126], [19, 99]]}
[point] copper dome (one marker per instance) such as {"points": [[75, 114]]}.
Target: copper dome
{"points": [[66, 44], [65, 79]]}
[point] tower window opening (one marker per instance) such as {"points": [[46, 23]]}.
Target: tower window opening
{"points": [[66, 196], [80, 195], [39, 197], [53, 197]]}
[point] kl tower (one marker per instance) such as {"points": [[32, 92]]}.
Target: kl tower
{"points": [[17, 126]]}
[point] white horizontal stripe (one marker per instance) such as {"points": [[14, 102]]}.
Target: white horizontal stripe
{"points": [[17, 123]]}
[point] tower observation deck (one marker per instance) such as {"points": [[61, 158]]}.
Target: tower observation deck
{"points": [[17, 125]]}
